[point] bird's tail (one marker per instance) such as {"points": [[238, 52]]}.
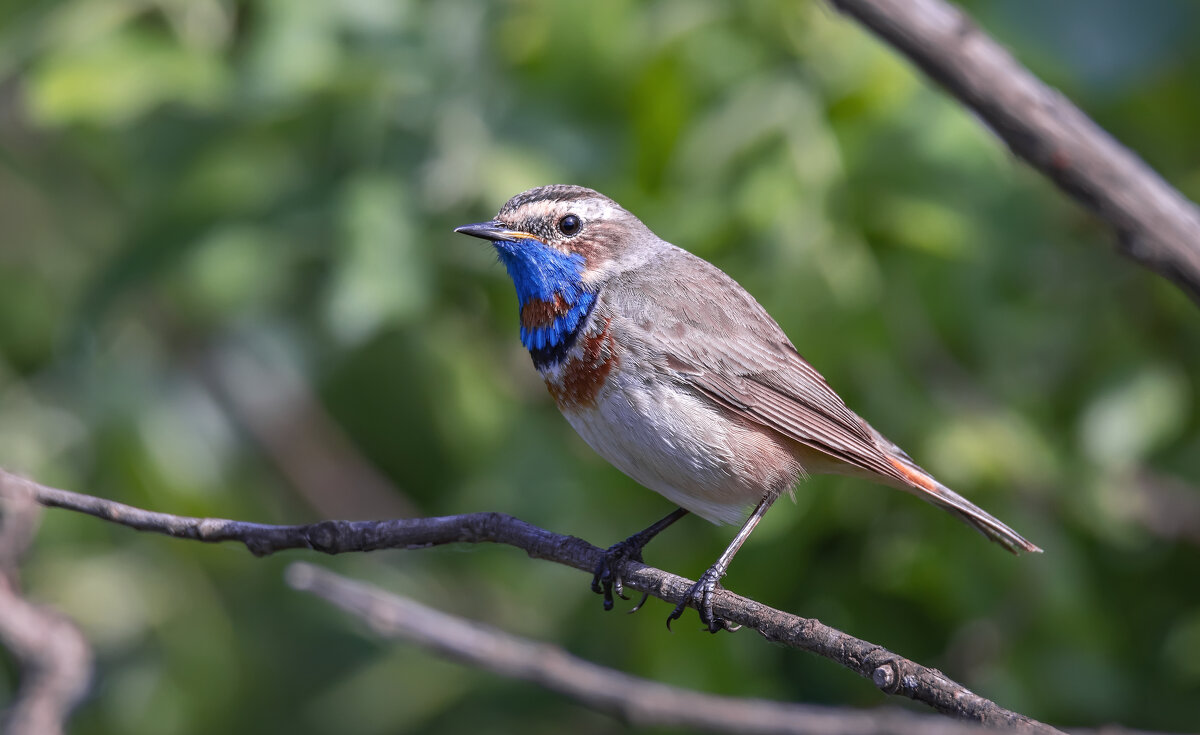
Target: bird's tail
{"points": [[921, 483]]}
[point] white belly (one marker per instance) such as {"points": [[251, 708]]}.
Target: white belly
{"points": [[684, 448]]}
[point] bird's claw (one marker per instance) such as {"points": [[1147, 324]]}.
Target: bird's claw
{"points": [[607, 579], [702, 592]]}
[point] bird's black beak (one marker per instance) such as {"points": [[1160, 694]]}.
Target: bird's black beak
{"points": [[492, 231]]}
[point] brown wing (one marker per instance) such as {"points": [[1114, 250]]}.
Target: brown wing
{"points": [[721, 342], [695, 322], [798, 420]]}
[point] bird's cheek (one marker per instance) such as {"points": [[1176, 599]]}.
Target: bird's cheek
{"points": [[593, 273]]}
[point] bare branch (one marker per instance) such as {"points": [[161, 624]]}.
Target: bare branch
{"points": [[636, 700], [55, 659], [1156, 225], [893, 674]]}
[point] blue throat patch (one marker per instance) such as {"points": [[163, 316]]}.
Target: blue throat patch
{"points": [[543, 273]]}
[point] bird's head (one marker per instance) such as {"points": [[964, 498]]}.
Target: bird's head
{"points": [[560, 244]]}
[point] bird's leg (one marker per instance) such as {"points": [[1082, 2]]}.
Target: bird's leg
{"points": [[607, 578], [701, 592]]}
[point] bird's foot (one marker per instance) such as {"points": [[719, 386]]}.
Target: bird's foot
{"points": [[701, 592], [607, 579]]}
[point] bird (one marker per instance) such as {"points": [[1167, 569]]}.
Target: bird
{"points": [[673, 373]]}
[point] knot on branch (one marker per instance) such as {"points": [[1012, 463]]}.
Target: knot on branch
{"points": [[887, 676], [259, 546], [328, 537]]}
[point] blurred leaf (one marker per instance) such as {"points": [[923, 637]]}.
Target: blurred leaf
{"points": [[994, 447], [382, 271], [230, 271], [117, 78], [296, 51], [928, 226], [1122, 426], [1181, 648]]}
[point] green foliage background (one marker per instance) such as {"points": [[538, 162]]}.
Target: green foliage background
{"points": [[265, 190]]}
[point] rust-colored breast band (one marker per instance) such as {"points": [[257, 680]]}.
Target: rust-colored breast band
{"points": [[583, 376], [536, 313]]}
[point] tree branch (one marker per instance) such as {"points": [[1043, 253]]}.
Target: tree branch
{"points": [[636, 700], [893, 674], [55, 659], [1156, 225]]}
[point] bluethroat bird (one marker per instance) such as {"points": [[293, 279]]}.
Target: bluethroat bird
{"points": [[673, 373]]}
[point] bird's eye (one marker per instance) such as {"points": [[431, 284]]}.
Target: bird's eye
{"points": [[569, 225]]}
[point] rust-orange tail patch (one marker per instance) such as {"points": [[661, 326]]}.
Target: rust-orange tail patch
{"points": [[943, 497], [916, 478]]}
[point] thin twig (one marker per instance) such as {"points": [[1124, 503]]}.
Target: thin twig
{"points": [[1156, 225], [55, 659], [893, 674], [639, 701]]}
